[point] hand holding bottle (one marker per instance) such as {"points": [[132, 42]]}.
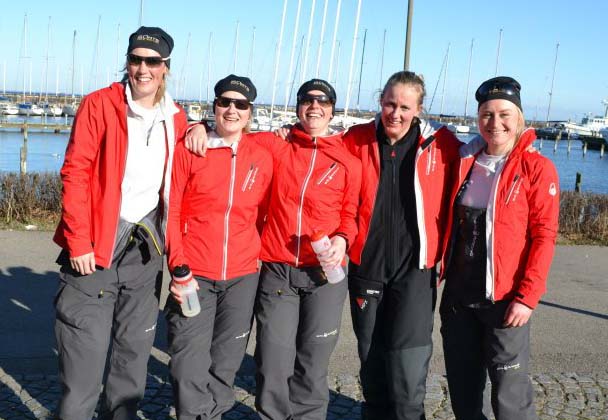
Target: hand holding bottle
{"points": [[330, 254], [184, 289]]}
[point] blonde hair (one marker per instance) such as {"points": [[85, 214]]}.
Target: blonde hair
{"points": [[406, 78]]}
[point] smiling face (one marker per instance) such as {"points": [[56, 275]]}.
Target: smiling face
{"points": [[145, 80], [230, 121], [499, 122], [400, 104], [315, 117]]}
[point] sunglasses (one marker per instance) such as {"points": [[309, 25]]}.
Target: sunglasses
{"points": [[508, 88], [136, 60], [322, 100], [223, 102]]}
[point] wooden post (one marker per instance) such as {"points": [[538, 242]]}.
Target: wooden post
{"points": [[584, 148], [540, 145], [23, 152], [579, 181], [569, 144], [556, 142], [602, 147]]}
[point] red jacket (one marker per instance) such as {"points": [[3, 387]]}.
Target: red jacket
{"points": [[93, 170], [436, 154], [521, 222], [213, 209], [315, 187]]}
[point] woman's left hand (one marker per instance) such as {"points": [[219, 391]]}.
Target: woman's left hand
{"points": [[517, 315], [335, 253]]}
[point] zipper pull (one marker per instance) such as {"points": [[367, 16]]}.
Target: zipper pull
{"points": [[515, 179]]}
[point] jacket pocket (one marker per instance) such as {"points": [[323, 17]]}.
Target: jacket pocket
{"points": [[360, 286]]}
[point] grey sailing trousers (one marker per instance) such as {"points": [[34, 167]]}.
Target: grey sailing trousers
{"points": [[298, 318], [113, 310], [475, 342], [206, 350]]}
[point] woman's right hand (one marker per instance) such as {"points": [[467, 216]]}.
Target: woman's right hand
{"points": [[197, 139], [176, 291], [83, 264]]}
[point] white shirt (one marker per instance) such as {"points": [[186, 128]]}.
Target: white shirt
{"points": [[477, 193], [147, 149], [216, 141]]}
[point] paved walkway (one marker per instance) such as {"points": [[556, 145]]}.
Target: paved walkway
{"points": [[558, 396], [569, 344]]}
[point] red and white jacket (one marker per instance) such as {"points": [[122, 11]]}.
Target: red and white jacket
{"points": [[94, 167], [521, 221], [315, 186], [214, 223], [436, 154]]}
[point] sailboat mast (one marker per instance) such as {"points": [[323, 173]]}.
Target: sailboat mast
{"points": [[498, 51], [552, 81], [361, 70], [466, 96], [117, 64], [333, 42], [278, 56], [236, 47], [251, 54], [73, 61], [305, 65], [141, 13], [209, 66], [321, 39], [382, 59], [46, 62], [445, 78], [293, 50], [352, 59]]}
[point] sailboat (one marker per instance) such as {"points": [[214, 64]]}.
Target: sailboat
{"points": [[69, 109]]}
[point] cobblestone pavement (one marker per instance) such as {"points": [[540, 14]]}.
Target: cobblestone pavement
{"points": [[565, 396]]}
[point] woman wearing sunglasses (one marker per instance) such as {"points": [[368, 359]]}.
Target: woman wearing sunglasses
{"points": [[214, 228], [499, 249], [116, 179], [298, 312], [315, 188]]}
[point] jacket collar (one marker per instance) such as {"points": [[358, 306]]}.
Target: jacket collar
{"points": [[299, 136]]}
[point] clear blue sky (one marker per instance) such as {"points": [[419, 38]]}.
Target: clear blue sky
{"points": [[530, 31]]}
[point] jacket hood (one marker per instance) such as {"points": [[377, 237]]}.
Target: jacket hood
{"points": [[477, 144]]}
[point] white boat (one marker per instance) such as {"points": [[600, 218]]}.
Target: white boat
{"points": [[29, 109], [590, 126], [459, 128], [194, 112], [53, 110], [9, 109], [70, 109]]}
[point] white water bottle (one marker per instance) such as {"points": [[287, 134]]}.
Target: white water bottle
{"points": [[320, 242], [182, 276]]}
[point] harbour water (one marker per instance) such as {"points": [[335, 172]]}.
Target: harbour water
{"points": [[46, 151]]}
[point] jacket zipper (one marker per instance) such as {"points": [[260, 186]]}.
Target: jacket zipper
{"points": [[515, 179], [420, 213], [227, 216], [327, 174], [244, 187], [301, 205]]}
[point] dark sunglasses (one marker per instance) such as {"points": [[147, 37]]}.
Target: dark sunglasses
{"points": [[322, 100], [508, 88], [224, 102], [136, 60]]}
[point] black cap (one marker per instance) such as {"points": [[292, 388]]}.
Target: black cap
{"points": [[317, 84], [501, 87], [153, 38], [239, 84]]}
